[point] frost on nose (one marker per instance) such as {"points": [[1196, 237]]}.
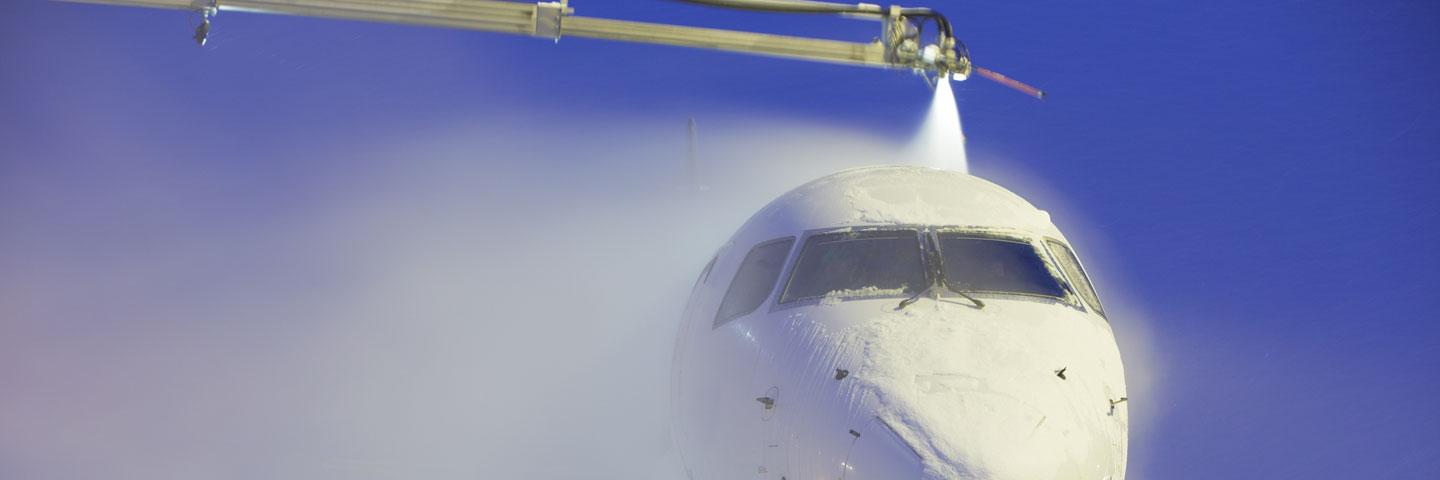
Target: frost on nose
{"points": [[979, 399], [990, 437], [970, 431]]}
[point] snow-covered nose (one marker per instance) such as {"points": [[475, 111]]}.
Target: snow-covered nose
{"points": [[979, 398], [957, 426], [975, 431]]}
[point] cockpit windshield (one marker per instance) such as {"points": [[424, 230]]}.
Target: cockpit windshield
{"points": [[986, 264], [876, 263]]}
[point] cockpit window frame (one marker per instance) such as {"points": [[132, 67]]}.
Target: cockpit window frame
{"points": [[705, 273], [804, 240], [1036, 244], [1098, 307], [929, 239], [785, 265]]}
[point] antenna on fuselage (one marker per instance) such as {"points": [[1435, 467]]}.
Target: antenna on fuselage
{"points": [[692, 158]]}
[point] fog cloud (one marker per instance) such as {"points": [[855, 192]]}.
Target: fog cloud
{"points": [[470, 299]]}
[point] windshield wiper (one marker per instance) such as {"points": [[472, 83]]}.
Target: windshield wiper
{"points": [[979, 305], [936, 271], [915, 298], [975, 302]]}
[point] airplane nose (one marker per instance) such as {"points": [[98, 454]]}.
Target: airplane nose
{"points": [[976, 434], [981, 401], [987, 437]]}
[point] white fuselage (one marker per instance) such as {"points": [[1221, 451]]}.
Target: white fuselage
{"points": [[982, 384]]}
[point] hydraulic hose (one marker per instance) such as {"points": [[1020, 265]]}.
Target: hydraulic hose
{"points": [[791, 6], [808, 6]]}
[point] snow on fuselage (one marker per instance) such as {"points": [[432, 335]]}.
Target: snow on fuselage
{"points": [[796, 360]]}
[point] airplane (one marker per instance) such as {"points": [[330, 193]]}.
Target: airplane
{"points": [[898, 322], [884, 322]]}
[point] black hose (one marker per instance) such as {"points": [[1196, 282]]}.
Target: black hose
{"points": [[926, 13], [807, 6], [790, 6], [942, 22]]}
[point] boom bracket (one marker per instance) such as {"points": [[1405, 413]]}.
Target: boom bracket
{"points": [[206, 9], [548, 17]]}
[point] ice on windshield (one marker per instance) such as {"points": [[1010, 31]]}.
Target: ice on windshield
{"points": [[979, 264], [1071, 265], [884, 263]]}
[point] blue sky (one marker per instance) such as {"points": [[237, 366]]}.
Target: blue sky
{"points": [[1256, 181]]}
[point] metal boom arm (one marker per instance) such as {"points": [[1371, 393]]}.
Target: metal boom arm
{"points": [[900, 47]]}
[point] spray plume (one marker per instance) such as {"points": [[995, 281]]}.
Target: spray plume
{"points": [[941, 142]]}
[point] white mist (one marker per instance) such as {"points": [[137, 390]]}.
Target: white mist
{"points": [[941, 142]]}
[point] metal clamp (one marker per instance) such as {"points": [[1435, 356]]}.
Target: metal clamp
{"points": [[548, 17]]}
